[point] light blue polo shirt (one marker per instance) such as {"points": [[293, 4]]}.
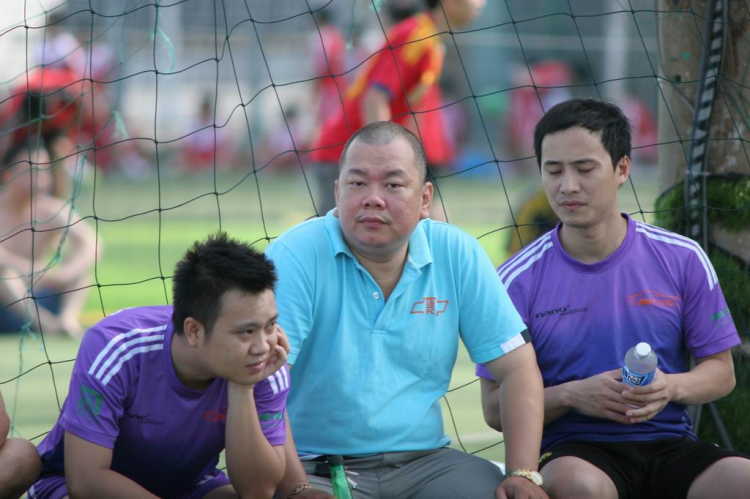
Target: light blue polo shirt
{"points": [[369, 374]]}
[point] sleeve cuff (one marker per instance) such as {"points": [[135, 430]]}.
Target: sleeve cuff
{"points": [[88, 434], [509, 345], [482, 372], [716, 347], [291, 358]]}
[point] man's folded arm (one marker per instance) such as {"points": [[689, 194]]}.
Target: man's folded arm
{"points": [[88, 473]]}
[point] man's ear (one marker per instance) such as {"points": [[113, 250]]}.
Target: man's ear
{"points": [[426, 200], [623, 170], [193, 331], [336, 197]]}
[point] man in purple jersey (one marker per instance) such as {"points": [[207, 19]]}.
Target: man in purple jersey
{"points": [[158, 392], [595, 286]]}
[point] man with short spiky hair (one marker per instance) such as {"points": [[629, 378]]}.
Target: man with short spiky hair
{"points": [[591, 289], [158, 392]]}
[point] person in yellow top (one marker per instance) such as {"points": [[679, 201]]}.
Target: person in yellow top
{"points": [[534, 218]]}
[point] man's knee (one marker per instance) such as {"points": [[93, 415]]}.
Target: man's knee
{"points": [[452, 473], [572, 477], [728, 477], [19, 465]]}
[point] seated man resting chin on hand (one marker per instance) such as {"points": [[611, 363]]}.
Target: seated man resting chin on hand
{"points": [[157, 393]]}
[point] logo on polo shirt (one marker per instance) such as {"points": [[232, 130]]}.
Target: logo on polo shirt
{"points": [[429, 305], [649, 297]]}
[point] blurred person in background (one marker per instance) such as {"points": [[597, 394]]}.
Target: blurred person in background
{"points": [[540, 86], [69, 65], [47, 103], [207, 143], [278, 149], [45, 256], [328, 60], [393, 85]]}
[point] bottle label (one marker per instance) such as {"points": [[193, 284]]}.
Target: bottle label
{"points": [[633, 379]]}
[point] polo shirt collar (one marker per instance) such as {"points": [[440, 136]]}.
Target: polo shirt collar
{"points": [[419, 248], [333, 226], [420, 253]]}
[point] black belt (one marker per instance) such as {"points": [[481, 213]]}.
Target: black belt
{"points": [[323, 459]]}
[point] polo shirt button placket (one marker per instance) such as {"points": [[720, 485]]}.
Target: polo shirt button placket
{"points": [[375, 295]]}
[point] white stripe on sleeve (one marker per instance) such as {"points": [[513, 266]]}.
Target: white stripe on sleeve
{"points": [[119, 337], [129, 356]]}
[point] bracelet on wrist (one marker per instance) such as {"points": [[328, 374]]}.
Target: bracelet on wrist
{"points": [[298, 489]]}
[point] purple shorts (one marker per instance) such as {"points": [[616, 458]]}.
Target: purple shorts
{"points": [[53, 487]]}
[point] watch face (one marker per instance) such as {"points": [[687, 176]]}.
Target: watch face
{"points": [[536, 478]]}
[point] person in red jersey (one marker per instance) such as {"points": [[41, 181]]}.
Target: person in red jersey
{"points": [[398, 80], [328, 55]]}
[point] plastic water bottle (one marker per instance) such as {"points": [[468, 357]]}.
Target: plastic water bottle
{"points": [[339, 481], [640, 365]]}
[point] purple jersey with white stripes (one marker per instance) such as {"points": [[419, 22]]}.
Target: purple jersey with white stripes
{"points": [[657, 287], [125, 395]]}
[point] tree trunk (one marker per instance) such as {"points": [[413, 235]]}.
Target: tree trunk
{"points": [[681, 40]]}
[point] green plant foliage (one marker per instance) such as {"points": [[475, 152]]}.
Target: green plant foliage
{"points": [[729, 206], [733, 411], [728, 202]]}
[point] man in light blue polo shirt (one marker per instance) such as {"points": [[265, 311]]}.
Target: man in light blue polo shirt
{"points": [[374, 297]]}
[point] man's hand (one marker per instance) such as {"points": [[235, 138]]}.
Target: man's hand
{"points": [[313, 494], [600, 396], [517, 487], [276, 360], [283, 339], [650, 399], [279, 355]]}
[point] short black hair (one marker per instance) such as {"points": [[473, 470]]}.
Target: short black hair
{"points": [[208, 270], [593, 115], [385, 132], [431, 4]]}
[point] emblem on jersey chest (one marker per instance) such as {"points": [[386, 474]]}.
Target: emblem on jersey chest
{"points": [[143, 419], [215, 416], [429, 305], [650, 297]]}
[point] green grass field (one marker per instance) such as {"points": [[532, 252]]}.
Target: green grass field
{"points": [[144, 228]]}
